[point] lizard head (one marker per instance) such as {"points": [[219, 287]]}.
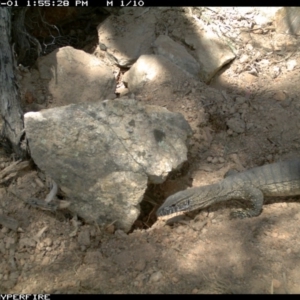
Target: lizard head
{"points": [[175, 203], [191, 199]]}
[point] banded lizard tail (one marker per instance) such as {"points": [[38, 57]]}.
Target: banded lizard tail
{"points": [[277, 179]]}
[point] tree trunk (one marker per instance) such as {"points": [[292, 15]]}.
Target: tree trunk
{"points": [[10, 105]]}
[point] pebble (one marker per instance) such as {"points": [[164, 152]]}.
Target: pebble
{"points": [[46, 261], [155, 276], [180, 229], [221, 160], [47, 242], [111, 229], [215, 160], [244, 58], [84, 237], [136, 283], [9, 241], [209, 159], [140, 265], [240, 100], [211, 215], [291, 64], [236, 125], [22, 262], [279, 96], [2, 247], [276, 283], [4, 230], [229, 132], [40, 246]]}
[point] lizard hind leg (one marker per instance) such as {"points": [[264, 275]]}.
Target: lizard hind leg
{"points": [[256, 197]]}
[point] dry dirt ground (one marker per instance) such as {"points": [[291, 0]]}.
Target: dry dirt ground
{"points": [[200, 252]]}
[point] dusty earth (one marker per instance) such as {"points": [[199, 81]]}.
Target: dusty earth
{"points": [[199, 252]]}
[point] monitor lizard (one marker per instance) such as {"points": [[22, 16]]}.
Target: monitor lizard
{"points": [[277, 179]]}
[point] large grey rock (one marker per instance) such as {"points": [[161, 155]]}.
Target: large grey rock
{"points": [[154, 76], [126, 37], [74, 76], [211, 52], [177, 54], [103, 154]]}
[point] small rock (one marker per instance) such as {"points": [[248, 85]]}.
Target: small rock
{"points": [[209, 159], [195, 291], [279, 96], [136, 283], [46, 261], [155, 276], [291, 64], [140, 265], [111, 96], [249, 125], [22, 262], [120, 233], [229, 132], [236, 124], [276, 283], [180, 229], [84, 237], [93, 257], [248, 78], [286, 103], [9, 241], [2, 247], [2, 192], [110, 228], [240, 100], [47, 242], [221, 160], [296, 217], [40, 246], [215, 160], [244, 58], [4, 230], [57, 242]]}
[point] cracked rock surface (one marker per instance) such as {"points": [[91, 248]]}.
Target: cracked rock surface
{"points": [[103, 154]]}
